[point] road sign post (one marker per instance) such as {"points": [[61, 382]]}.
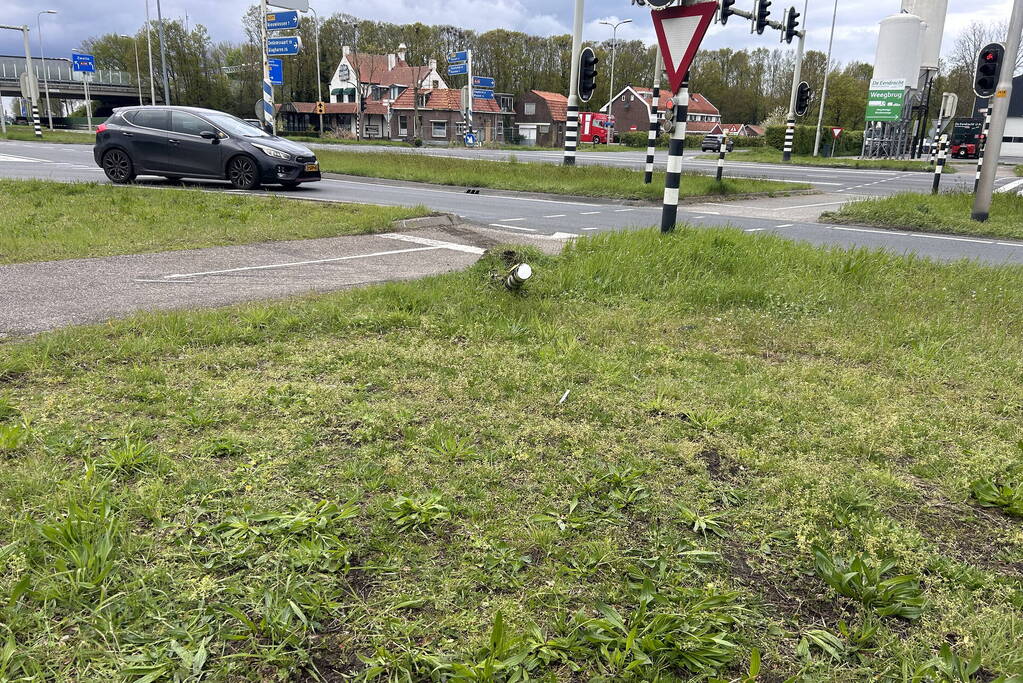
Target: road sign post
{"points": [[651, 144], [797, 76], [680, 30], [939, 167], [885, 100], [269, 120], [85, 65], [283, 46], [572, 113], [276, 71], [282, 21]]}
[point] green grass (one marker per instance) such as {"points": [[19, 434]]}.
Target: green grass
{"points": [[947, 213], [46, 221], [590, 181], [26, 133], [342, 141], [1018, 170], [672, 458], [774, 156]]}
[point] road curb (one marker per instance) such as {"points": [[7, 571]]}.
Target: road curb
{"points": [[442, 220]]}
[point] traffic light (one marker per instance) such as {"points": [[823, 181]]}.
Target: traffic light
{"points": [[989, 68], [321, 108], [587, 74], [791, 24], [763, 16], [803, 95], [726, 10]]}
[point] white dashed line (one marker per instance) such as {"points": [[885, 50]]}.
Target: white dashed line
{"points": [[876, 232], [588, 213], [557, 215], [784, 225], [753, 229], [622, 210], [512, 220], [588, 229], [511, 227]]}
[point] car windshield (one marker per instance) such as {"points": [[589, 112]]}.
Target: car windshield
{"points": [[235, 126]]}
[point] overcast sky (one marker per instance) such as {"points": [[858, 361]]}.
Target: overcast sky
{"points": [[854, 40]]}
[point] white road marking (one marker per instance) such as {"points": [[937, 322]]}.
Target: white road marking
{"points": [[753, 230], [1011, 186], [512, 220], [557, 215], [784, 225], [588, 213], [954, 239], [511, 227], [8, 157], [588, 229], [440, 244], [299, 263], [876, 232], [807, 206], [458, 192], [622, 210]]}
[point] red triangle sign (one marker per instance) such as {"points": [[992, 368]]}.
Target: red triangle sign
{"points": [[680, 31], [837, 132]]}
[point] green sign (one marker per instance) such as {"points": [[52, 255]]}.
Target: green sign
{"points": [[885, 100]]}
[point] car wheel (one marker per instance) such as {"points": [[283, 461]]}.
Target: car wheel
{"points": [[243, 173], [118, 167]]}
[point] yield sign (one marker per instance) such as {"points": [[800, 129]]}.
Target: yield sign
{"points": [[836, 132], [680, 31]]}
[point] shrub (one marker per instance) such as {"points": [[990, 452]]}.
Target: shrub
{"points": [[851, 142], [1006, 495], [868, 581]]}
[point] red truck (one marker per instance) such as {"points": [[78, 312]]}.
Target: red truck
{"points": [[596, 127], [967, 138]]}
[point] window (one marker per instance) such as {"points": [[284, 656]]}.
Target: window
{"points": [[436, 84], [402, 125], [422, 100], [439, 129], [187, 124], [153, 118], [529, 108]]}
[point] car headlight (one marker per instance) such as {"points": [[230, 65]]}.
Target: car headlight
{"points": [[271, 152]]}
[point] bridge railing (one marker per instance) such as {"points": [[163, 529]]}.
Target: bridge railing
{"points": [[59, 70]]}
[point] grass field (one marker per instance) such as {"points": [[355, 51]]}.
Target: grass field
{"points": [[27, 133], [669, 458], [46, 221], [947, 213], [590, 181], [774, 156], [1018, 170]]}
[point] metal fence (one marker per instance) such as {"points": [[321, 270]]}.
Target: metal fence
{"points": [[55, 70]]}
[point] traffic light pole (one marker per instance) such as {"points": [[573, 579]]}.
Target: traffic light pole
{"points": [[797, 77], [651, 148], [998, 108], [982, 148], [572, 118]]}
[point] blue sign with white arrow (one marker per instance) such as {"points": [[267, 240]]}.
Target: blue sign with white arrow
{"points": [[458, 70], [283, 46], [276, 71], [483, 82], [279, 21], [85, 63], [460, 56], [483, 94]]}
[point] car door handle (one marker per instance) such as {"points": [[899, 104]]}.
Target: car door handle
{"points": [[173, 141], [128, 135]]}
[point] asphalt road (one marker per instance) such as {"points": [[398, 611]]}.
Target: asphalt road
{"points": [[535, 215]]}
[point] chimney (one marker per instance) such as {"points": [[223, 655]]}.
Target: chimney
{"points": [[402, 51], [345, 50], [433, 65], [392, 61]]}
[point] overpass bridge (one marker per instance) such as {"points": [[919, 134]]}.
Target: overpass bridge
{"points": [[109, 87]]}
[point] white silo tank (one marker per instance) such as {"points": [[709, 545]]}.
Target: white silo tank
{"points": [[899, 49], [933, 12]]}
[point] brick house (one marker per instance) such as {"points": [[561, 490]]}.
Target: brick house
{"points": [[631, 109], [300, 117], [379, 80], [440, 117], [540, 118], [742, 130]]}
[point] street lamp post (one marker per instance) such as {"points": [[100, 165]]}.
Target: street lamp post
{"points": [[614, 47], [824, 91], [319, 79], [149, 47], [163, 53], [138, 71], [42, 60]]}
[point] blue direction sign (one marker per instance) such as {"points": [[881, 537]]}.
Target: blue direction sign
{"points": [[483, 82], [283, 46], [279, 21], [470, 139], [460, 56], [483, 94], [276, 71], [86, 63], [458, 70]]}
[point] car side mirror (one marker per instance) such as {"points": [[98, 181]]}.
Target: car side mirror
{"points": [[208, 135]]}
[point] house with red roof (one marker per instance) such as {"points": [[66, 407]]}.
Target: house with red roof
{"points": [[540, 118], [437, 116], [631, 109], [377, 81]]}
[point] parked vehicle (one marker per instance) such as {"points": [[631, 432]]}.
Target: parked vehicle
{"points": [[712, 143], [188, 142], [967, 138], [595, 127]]}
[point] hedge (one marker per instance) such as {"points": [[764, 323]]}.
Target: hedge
{"points": [[638, 138], [850, 144]]}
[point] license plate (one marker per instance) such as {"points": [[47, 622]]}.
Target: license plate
{"points": [[312, 167]]}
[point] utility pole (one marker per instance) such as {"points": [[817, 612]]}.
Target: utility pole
{"points": [[42, 57], [572, 122], [797, 75], [149, 45], [319, 79], [33, 89], [614, 50], [998, 108], [138, 70], [163, 49], [824, 91]]}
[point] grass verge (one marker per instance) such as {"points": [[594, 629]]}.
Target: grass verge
{"points": [[346, 142], [590, 181], [946, 213], [774, 156], [46, 221], [27, 134], [1018, 170], [668, 458]]}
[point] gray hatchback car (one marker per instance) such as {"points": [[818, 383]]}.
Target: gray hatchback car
{"points": [[189, 142]]}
